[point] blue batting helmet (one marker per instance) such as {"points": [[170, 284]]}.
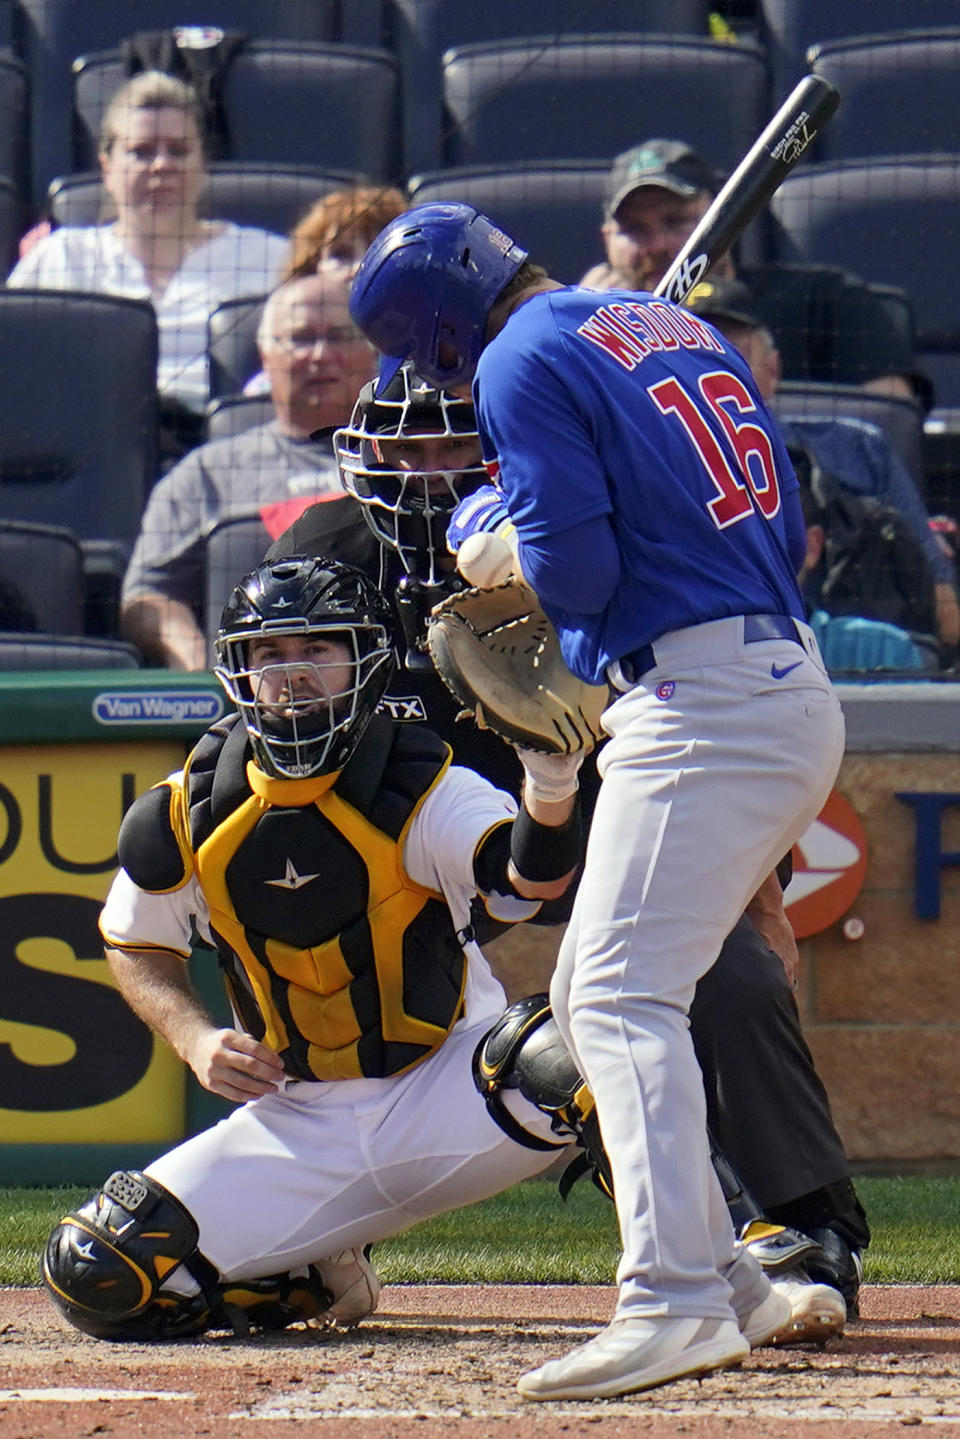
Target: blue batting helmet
{"points": [[425, 287]]}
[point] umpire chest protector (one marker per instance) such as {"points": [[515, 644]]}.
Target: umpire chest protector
{"points": [[335, 957]]}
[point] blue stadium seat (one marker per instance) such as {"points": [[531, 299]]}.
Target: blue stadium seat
{"points": [[51, 34], [11, 223], [232, 344], [896, 221], [78, 376], [13, 121], [274, 197], [790, 27], [419, 31], [899, 94], [321, 106], [45, 562], [830, 325], [232, 414], [234, 547], [941, 462], [590, 97], [901, 421], [943, 368], [64, 652], [553, 208]]}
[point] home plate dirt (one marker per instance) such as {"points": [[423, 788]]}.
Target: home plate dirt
{"points": [[439, 1360]]}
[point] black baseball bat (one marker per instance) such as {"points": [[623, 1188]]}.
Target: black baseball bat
{"points": [[759, 174]]}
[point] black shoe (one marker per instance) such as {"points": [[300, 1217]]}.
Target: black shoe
{"points": [[837, 1263]]}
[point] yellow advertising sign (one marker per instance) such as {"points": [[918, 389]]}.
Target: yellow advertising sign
{"points": [[76, 1065]]}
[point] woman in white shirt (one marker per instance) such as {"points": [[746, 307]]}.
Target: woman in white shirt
{"points": [[152, 162]]}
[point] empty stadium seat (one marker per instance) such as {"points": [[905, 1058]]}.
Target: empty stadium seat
{"points": [[45, 562], [273, 197], [591, 96], [13, 121], [830, 325], [232, 414], [78, 376], [314, 105], [790, 27], [899, 94], [234, 547], [896, 221], [942, 367], [51, 34], [941, 462], [11, 223], [552, 208], [232, 344], [419, 31], [63, 652], [901, 421]]}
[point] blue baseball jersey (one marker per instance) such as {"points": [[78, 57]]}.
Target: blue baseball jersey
{"points": [[627, 412]]}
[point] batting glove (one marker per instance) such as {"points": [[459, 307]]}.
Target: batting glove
{"points": [[483, 512]]}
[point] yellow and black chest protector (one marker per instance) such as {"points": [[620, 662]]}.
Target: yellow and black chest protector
{"points": [[334, 956]]}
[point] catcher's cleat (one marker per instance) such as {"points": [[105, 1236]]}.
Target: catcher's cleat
{"points": [[351, 1279], [271, 1302], [776, 1247], [837, 1263], [817, 1311]]}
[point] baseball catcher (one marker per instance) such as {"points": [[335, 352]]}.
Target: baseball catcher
{"points": [[331, 857]]}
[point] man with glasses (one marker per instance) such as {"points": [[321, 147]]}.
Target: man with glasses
{"points": [[315, 361]]}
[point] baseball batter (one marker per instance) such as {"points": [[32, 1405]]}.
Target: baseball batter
{"points": [[658, 521]]}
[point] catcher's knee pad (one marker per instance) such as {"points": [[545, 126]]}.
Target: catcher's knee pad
{"points": [[525, 1051], [105, 1263]]}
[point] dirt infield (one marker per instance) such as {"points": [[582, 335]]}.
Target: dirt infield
{"points": [[439, 1360]]}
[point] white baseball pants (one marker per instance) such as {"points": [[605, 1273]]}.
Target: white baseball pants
{"points": [[320, 1168], [718, 760]]}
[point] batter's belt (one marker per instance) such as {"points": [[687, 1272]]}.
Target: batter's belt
{"points": [[715, 640]]}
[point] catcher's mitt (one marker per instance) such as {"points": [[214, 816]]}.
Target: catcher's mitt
{"points": [[499, 655]]}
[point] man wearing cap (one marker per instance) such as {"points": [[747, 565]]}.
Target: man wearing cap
{"points": [[655, 195], [830, 326], [856, 455]]}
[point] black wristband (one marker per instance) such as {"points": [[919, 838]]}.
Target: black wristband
{"points": [[542, 852]]}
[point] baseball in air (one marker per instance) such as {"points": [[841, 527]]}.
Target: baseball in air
{"points": [[853, 928], [485, 560]]}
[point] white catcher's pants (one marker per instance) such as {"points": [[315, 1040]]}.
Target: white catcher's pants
{"points": [[293, 1177], [714, 767]]}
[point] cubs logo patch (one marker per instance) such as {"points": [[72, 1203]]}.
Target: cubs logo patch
{"points": [[665, 691]]}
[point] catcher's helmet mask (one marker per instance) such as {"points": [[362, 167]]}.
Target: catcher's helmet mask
{"points": [[425, 287], [402, 509], [298, 726]]}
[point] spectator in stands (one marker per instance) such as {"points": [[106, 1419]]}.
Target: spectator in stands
{"points": [[850, 643], [340, 227], [858, 457], [158, 248], [316, 361], [830, 323], [335, 232], [654, 196]]}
